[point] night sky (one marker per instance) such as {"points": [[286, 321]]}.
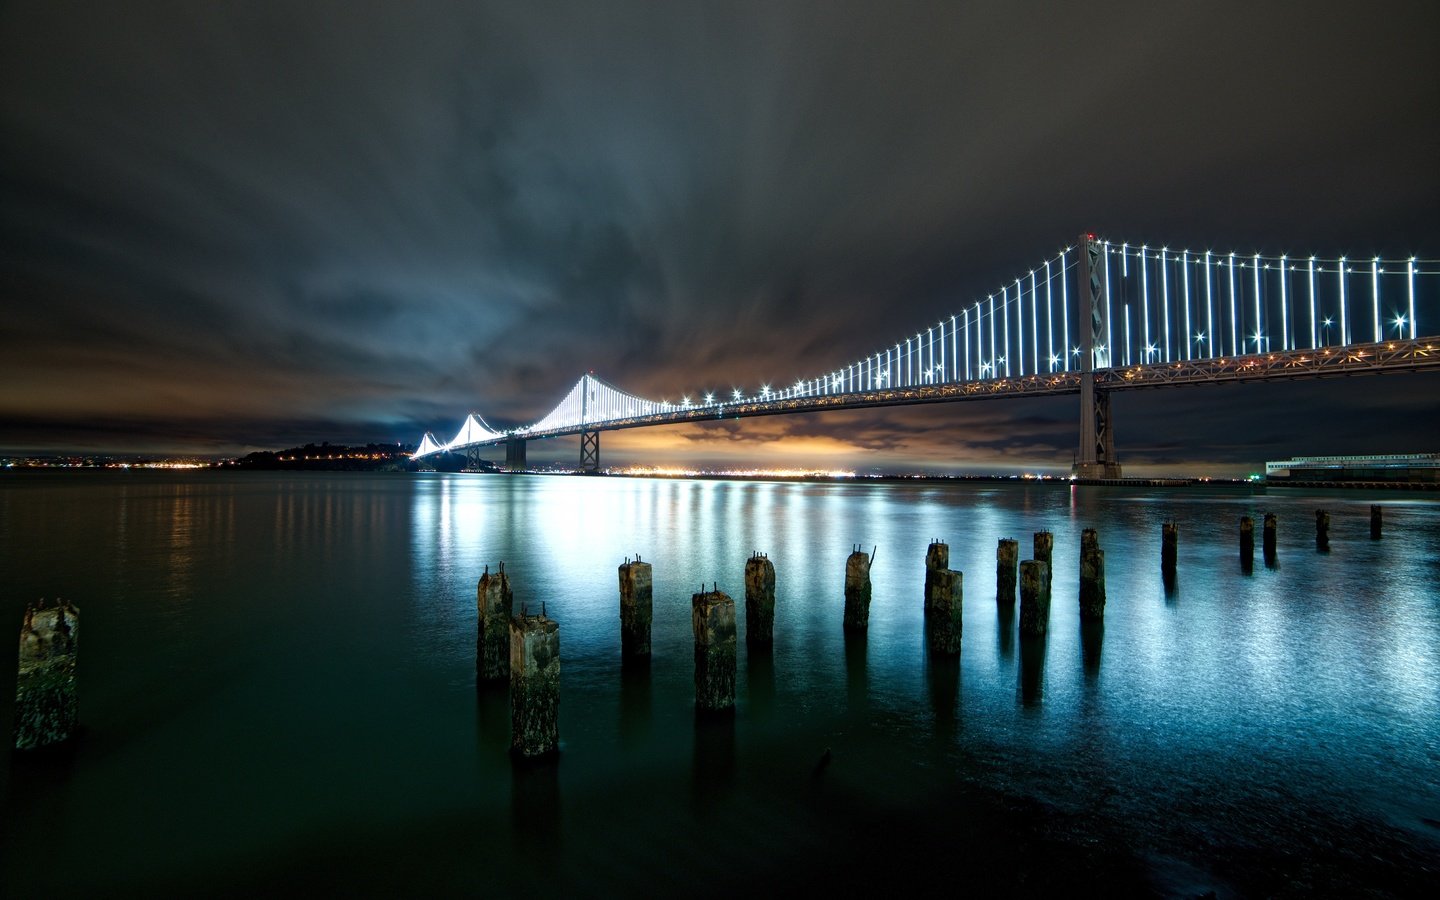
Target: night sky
{"points": [[236, 226]]}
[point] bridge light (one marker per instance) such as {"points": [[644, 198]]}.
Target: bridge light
{"points": [[1400, 321], [709, 398]]}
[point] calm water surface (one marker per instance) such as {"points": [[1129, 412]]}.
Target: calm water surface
{"points": [[278, 692]]}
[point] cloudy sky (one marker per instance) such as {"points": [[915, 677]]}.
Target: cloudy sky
{"points": [[249, 225]]}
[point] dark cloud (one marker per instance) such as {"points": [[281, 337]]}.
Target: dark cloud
{"points": [[222, 222]]}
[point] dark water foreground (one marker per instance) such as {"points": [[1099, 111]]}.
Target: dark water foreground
{"points": [[277, 689]]}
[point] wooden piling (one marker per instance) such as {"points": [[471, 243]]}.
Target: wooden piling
{"points": [[1045, 551], [945, 621], [937, 560], [712, 616], [1007, 555], [1034, 597], [1169, 549], [1375, 521], [46, 691], [1269, 539], [493, 601], [759, 600], [857, 590], [534, 685], [1322, 530], [636, 608], [1247, 543], [1092, 577]]}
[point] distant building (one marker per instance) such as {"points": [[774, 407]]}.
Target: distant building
{"points": [[1399, 468]]}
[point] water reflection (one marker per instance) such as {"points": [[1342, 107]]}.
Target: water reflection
{"points": [[535, 815], [1032, 670], [942, 677], [635, 700], [713, 766], [1092, 635], [760, 681], [1005, 628], [857, 688]]}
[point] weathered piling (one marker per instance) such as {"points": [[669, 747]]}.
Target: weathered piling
{"points": [[534, 685], [937, 560], [1375, 521], [857, 590], [1092, 577], [1269, 539], [46, 695], [712, 614], [759, 600], [1247, 543], [1169, 549], [636, 608], [1007, 555], [493, 601], [1034, 597], [945, 621], [1322, 530], [1044, 551]]}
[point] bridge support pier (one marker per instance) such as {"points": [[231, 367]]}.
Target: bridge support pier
{"points": [[590, 452], [1097, 441], [515, 455]]}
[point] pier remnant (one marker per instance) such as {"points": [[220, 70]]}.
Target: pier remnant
{"points": [[1007, 555], [534, 685], [937, 560], [945, 619], [1322, 531], [1247, 543], [1169, 549], [857, 589], [1044, 551], [1269, 539], [493, 601], [712, 614], [46, 695], [759, 599], [1092, 577], [1034, 597], [1375, 521], [636, 608]]}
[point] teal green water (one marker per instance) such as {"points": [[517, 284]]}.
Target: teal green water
{"points": [[277, 691]]}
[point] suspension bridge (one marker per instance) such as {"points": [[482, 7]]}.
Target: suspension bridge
{"points": [[1093, 319]]}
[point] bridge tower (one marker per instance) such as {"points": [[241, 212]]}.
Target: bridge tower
{"points": [[515, 454], [1097, 438], [589, 439]]}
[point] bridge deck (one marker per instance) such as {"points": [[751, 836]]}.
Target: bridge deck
{"points": [[1356, 359]]}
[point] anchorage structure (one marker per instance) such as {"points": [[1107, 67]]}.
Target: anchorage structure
{"points": [[1092, 319]]}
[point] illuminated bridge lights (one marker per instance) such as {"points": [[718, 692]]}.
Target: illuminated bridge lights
{"points": [[975, 353]]}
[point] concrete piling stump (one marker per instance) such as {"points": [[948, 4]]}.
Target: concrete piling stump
{"points": [[1092, 577], [712, 615], [636, 608], [1045, 551], [1375, 521], [857, 590], [46, 693], [759, 600], [945, 620], [494, 601], [534, 685], [1169, 549], [1322, 530], [937, 560], [1247, 543], [1007, 555], [1034, 597], [1269, 539]]}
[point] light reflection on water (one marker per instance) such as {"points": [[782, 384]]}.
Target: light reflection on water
{"points": [[246, 633]]}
